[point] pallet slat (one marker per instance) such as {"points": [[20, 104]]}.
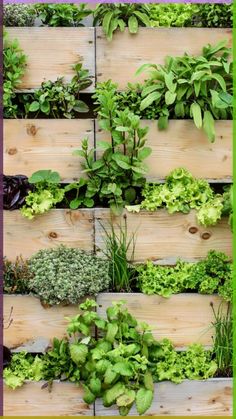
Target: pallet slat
{"points": [[169, 317], [165, 238], [25, 237], [183, 145], [151, 45], [52, 52], [37, 144], [190, 398], [65, 399]]}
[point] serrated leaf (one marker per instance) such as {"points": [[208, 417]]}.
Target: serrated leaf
{"points": [[110, 376], [95, 385], [78, 353], [126, 399], [197, 114], [133, 24], [123, 368], [144, 400], [113, 393], [112, 329]]}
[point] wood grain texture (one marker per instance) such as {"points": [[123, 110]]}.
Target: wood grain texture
{"points": [[164, 237], [65, 399], [37, 144], [169, 317], [52, 52], [183, 145], [23, 236], [190, 398], [30, 326], [119, 60]]}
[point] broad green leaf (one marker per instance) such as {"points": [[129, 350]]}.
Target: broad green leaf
{"points": [[169, 77], [162, 122], [121, 25], [143, 67], [149, 100], [106, 22], [112, 28], [112, 329], [148, 381], [144, 153], [34, 106], [45, 107], [148, 89], [123, 368], [209, 125], [104, 124], [133, 24], [220, 80], [197, 114], [126, 399], [130, 194], [78, 353], [144, 18], [109, 376], [80, 106], [104, 145], [226, 97], [144, 399], [88, 396], [170, 97], [113, 393], [75, 203], [95, 385]]}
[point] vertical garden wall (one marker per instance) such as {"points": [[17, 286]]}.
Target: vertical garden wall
{"points": [[42, 142]]}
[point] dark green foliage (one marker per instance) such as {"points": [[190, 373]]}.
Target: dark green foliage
{"points": [[62, 14], [213, 15]]}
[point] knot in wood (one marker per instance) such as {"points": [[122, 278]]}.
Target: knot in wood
{"points": [[12, 151], [52, 235], [32, 130], [193, 230], [205, 235]]}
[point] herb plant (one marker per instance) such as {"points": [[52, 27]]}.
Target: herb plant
{"points": [[171, 14], [18, 15], [62, 14], [191, 87], [23, 367], [213, 15], [58, 99], [16, 276], [65, 275], [14, 63], [46, 194], [15, 190], [212, 274], [182, 192], [117, 174], [223, 340], [116, 16]]}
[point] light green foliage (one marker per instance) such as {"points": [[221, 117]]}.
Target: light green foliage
{"points": [[14, 63], [62, 14], [65, 275], [173, 14], [118, 172], [46, 195], [23, 367], [223, 340], [18, 15], [182, 192], [116, 16], [213, 274], [228, 204]]}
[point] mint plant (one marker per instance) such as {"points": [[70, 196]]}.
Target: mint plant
{"points": [[62, 14]]}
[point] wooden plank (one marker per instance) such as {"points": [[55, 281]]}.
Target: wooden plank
{"points": [[23, 312], [65, 399], [169, 317], [52, 52], [164, 237], [211, 397], [151, 45], [183, 145], [23, 236], [35, 144]]}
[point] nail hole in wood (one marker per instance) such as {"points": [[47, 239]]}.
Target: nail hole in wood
{"points": [[193, 230], [206, 235], [52, 235], [12, 151]]}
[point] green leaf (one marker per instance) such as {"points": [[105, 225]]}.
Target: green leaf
{"points": [[78, 353], [112, 329], [144, 153], [45, 176], [95, 385], [75, 203], [88, 396], [45, 107], [123, 368], [126, 399], [170, 97], [148, 381], [144, 399], [220, 80], [121, 25], [162, 122], [133, 24], [80, 106], [113, 393], [149, 100], [197, 114], [104, 145], [110, 376], [34, 106], [169, 77], [144, 18], [106, 22], [209, 125]]}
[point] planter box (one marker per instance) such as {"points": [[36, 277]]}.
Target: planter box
{"points": [[120, 64], [170, 317], [37, 144], [160, 236], [65, 399], [52, 52], [190, 398], [183, 145]]}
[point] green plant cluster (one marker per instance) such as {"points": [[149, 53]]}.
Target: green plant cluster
{"points": [[223, 340], [181, 192], [65, 275], [16, 275], [120, 366], [172, 14], [14, 63], [19, 14], [213, 15], [209, 276], [47, 193], [62, 14]]}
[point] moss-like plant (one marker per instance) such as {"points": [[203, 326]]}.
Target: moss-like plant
{"points": [[19, 15]]}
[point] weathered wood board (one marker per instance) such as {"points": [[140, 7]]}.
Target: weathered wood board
{"points": [[30, 326], [183, 145], [52, 52], [164, 238], [190, 398], [37, 144], [119, 60], [169, 317], [25, 237], [65, 399]]}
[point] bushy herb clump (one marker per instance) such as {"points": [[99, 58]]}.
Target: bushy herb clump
{"points": [[181, 192], [213, 15], [65, 275], [173, 14], [16, 276], [62, 14], [14, 63], [119, 366], [212, 274], [19, 14]]}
